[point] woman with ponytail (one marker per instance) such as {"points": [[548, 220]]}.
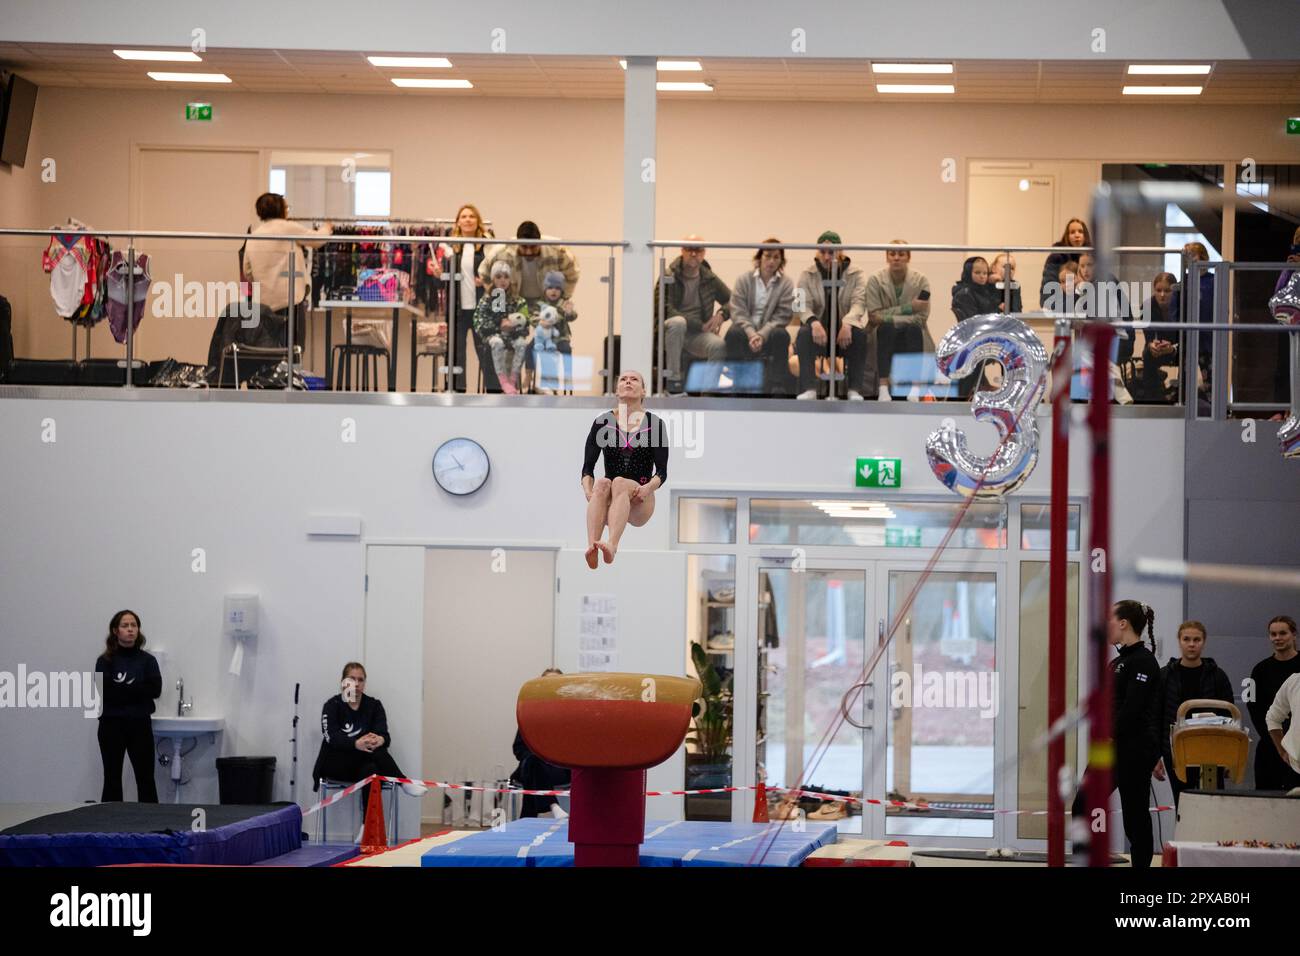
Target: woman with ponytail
{"points": [[1135, 719]]}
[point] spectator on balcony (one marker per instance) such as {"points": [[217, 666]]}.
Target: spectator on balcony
{"points": [[853, 330], [1196, 252], [1003, 271], [696, 303], [1160, 347], [1076, 234], [973, 295], [464, 261], [502, 322], [761, 308], [529, 265], [898, 299]]}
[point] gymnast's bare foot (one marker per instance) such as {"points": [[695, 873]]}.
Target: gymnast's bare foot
{"points": [[607, 551], [592, 559]]}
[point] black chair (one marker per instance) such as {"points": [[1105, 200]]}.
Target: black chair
{"points": [[365, 366]]}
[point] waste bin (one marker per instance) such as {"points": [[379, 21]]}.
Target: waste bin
{"points": [[245, 779]]}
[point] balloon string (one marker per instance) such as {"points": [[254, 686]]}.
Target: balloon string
{"points": [[828, 737]]}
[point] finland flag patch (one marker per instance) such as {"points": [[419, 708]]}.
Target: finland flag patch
{"points": [[1142, 677]]}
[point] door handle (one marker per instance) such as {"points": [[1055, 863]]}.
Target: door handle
{"points": [[863, 686]]}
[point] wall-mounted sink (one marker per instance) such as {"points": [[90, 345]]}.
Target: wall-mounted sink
{"points": [[177, 729], [187, 726]]}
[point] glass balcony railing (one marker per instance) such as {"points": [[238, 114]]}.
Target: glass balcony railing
{"points": [[386, 311]]}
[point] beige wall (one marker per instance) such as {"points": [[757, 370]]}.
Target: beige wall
{"points": [[20, 198], [726, 170]]}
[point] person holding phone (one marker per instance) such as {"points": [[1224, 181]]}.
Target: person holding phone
{"points": [[898, 298], [355, 742]]}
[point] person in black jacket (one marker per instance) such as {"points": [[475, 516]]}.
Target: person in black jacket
{"points": [[974, 295], [1076, 234], [1265, 678], [132, 682], [355, 737], [1180, 307], [1160, 349], [1135, 716], [1189, 677], [534, 773]]}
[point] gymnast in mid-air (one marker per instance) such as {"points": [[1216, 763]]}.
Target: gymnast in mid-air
{"points": [[635, 445]]}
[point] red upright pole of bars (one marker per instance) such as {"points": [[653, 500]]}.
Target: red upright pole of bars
{"points": [[1057, 598], [1101, 749]]}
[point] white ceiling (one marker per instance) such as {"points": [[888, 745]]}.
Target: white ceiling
{"points": [[324, 71]]}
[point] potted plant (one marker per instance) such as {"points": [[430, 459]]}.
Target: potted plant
{"points": [[709, 765]]}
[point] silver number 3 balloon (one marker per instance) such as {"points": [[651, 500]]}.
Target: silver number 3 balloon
{"points": [[1016, 347], [1285, 306]]}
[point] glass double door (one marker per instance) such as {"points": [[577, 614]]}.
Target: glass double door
{"points": [[919, 733]]}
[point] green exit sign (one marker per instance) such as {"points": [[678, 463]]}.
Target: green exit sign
{"points": [[902, 537], [1293, 126], [879, 473], [198, 112]]}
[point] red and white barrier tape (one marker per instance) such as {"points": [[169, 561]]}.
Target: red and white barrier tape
{"points": [[825, 797]]}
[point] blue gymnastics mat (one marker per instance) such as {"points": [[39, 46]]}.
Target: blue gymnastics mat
{"points": [[542, 842]]}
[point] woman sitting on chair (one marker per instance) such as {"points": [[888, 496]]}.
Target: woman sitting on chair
{"points": [[356, 737], [635, 446]]}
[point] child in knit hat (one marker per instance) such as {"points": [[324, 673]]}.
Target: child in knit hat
{"points": [[551, 340], [501, 320]]}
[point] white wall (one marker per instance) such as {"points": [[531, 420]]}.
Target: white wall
{"points": [[107, 516]]}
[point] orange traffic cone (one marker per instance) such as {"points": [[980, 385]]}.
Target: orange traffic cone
{"points": [[760, 804], [373, 837]]}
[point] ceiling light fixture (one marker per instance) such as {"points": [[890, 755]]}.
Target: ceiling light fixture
{"points": [[166, 56], [413, 62], [668, 87], [1163, 90], [1168, 69], [420, 83], [911, 67], [915, 88], [189, 77], [672, 66]]}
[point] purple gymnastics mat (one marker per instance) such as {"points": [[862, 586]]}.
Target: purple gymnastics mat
{"points": [[103, 834]]}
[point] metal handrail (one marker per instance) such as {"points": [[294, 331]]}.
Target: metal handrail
{"points": [[242, 236], [886, 246]]}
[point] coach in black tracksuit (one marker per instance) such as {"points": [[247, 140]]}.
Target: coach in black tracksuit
{"points": [[355, 737], [132, 682], [1135, 717], [1189, 677]]}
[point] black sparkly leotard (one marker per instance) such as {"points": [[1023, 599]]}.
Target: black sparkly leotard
{"points": [[639, 455]]}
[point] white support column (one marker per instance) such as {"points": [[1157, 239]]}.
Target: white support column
{"points": [[637, 279]]}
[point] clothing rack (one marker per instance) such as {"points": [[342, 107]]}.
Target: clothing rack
{"points": [[392, 220], [73, 224]]}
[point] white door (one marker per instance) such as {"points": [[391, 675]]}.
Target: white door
{"points": [[815, 629], [488, 628], [647, 633], [940, 705], [451, 634], [392, 640], [999, 212]]}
